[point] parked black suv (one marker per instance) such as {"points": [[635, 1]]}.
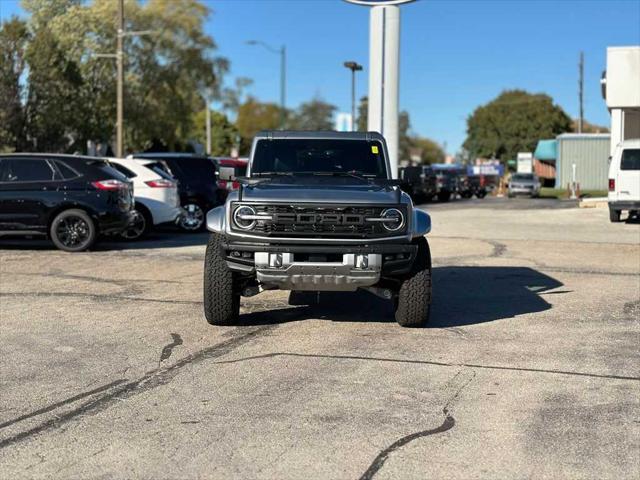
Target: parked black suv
{"points": [[197, 184], [70, 199]]}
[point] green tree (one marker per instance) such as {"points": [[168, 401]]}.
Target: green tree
{"points": [[166, 72], [513, 122], [429, 150], [13, 40], [54, 80], [254, 116], [313, 115], [363, 114], [223, 132]]}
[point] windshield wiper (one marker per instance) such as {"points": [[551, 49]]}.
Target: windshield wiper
{"points": [[354, 174], [271, 174]]}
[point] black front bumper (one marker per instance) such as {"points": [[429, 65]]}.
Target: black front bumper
{"points": [[391, 265], [624, 205]]}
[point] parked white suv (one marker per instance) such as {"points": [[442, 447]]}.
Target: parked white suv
{"points": [[624, 180], [155, 192]]}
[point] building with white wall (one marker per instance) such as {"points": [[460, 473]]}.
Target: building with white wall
{"points": [[621, 91]]}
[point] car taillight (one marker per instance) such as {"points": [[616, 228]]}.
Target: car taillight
{"points": [[160, 183], [235, 185], [109, 184], [612, 184], [222, 184]]}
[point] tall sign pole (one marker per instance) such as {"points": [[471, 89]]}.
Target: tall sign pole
{"points": [[384, 64], [120, 82]]}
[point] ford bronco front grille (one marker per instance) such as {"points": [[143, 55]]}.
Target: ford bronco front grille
{"points": [[321, 221]]}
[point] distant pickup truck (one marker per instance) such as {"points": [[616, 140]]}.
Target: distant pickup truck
{"points": [[318, 211]]}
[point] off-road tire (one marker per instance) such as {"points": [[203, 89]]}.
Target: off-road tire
{"points": [[221, 296], [614, 215], [414, 298]]}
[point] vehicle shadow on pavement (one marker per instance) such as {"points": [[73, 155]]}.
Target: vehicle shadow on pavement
{"points": [[472, 295], [461, 296]]}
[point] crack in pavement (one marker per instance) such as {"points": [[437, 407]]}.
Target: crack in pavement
{"points": [[448, 423], [168, 349], [152, 379], [428, 362]]}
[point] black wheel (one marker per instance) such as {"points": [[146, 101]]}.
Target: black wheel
{"points": [[73, 231], [466, 194], [414, 298], [221, 296], [444, 196], [140, 225], [193, 218], [481, 194], [614, 215]]}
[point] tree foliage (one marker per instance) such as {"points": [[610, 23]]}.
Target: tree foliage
{"points": [[223, 132], [70, 92], [13, 41], [313, 115], [254, 116], [428, 150], [513, 122]]}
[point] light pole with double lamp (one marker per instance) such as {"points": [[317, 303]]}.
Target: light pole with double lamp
{"points": [[282, 51], [354, 67]]}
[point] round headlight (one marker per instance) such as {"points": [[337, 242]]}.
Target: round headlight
{"points": [[244, 223], [393, 219]]}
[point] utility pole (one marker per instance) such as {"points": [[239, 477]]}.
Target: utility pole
{"points": [[208, 126], [354, 67], [119, 58], [581, 91], [120, 95]]}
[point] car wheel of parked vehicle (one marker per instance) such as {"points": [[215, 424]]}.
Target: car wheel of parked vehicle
{"points": [[444, 196], [466, 195], [614, 215], [73, 231], [481, 194], [221, 296], [140, 224], [414, 298], [193, 218]]}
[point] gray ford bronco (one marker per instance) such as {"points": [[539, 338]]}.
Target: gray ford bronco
{"points": [[318, 211]]}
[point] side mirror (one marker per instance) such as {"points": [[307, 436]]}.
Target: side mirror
{"points": [[609, 159], [226, 173]]}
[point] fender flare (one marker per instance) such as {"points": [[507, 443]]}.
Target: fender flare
{"points": [[421, 223], [216, 219]]}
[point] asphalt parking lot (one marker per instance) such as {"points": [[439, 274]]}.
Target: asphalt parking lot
{"points": [[530, 368]]}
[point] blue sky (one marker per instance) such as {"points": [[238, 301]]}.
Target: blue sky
{"points": [[455, 55]]}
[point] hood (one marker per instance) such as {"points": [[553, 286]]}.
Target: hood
{"points": [[360, 194]]}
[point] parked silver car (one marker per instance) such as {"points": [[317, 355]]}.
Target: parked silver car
{"points": [[524, 184]]}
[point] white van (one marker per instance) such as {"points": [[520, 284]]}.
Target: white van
{"points": [[624, 180]]}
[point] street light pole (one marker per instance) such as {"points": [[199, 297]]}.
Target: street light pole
{"points": [[354, 67], [120, 87], [282, 51]]}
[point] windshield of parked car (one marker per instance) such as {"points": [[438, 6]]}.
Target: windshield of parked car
{"points": [[318, 156], [523, 177]]}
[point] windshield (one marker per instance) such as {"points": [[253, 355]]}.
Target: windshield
{"points": [[317, 156], [523, 176]]}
